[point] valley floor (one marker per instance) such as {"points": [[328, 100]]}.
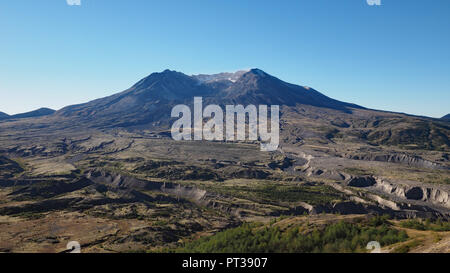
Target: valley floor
{"points": [[142, 192]]}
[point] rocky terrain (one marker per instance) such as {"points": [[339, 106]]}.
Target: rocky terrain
{"points": [[107, 173]]}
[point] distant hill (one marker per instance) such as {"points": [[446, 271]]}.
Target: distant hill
{"points": [[36, 113], [3, 115], [446, 117]]}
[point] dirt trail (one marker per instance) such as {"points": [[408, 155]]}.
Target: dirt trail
{"points": [[423, 241]]}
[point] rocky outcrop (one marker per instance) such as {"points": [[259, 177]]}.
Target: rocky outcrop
{"points": [[250, 174], [425, 193], [410, 160], [190, 193], [383, 202], [323, 173], [362, 181], [176, 191]]}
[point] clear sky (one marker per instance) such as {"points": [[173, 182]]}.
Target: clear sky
{"points": [[391, 57]]}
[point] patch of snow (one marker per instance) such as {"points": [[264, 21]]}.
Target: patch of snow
{"points": [[225, 76]]}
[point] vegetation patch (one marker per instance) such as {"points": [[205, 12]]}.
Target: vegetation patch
{"points": [[438, 225], [272, 192], [333, 238], [9, 168], [359, 171], [406, 248]]}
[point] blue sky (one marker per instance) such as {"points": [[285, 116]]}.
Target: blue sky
{"points": [[393, 57]]}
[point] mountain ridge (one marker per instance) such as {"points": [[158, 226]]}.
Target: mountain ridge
{"points": [[304, 112], [151, 98]]}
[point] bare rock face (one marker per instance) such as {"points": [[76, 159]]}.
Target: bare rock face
{"points": [[414, 193], [402, 197], [439, 196], [362, 181], [384, 202], [190, 193], [425, 193], [400, 158]]}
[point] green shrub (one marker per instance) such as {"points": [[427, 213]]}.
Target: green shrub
{"points": [[438, 225], [337, 237]]}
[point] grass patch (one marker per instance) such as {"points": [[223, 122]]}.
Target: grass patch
{"points": [[358, 171], [406, 248], [438, 178], [30, 215], [439, 225], [275, 192]]}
